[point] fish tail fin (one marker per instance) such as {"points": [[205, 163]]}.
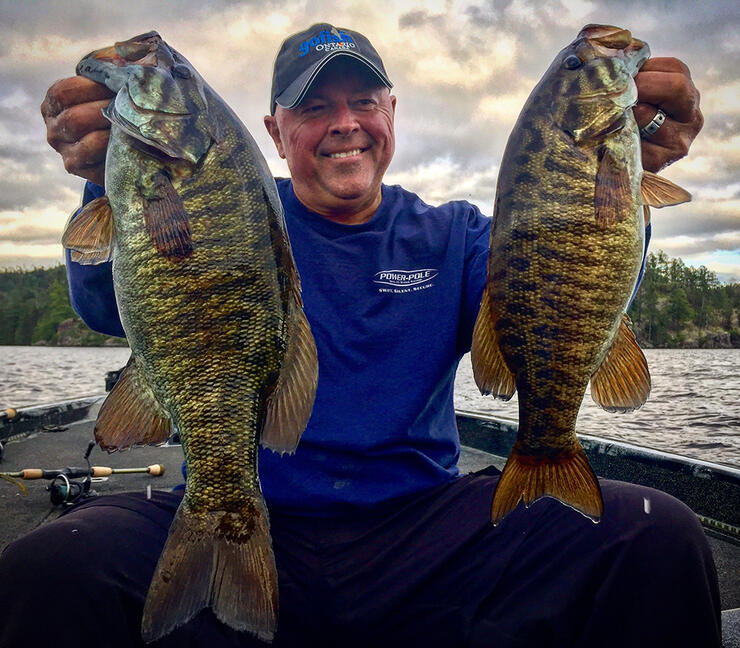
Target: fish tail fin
{"points": [[568, 478], [219, 559]]}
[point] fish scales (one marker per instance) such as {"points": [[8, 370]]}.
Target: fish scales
{"points": [[208, 296], [567, 241]]}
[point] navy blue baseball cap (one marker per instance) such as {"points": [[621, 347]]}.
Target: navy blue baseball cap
{"points": [[303, 55]]}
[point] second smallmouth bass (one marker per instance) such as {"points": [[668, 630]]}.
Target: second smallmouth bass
{"points": [[567, 242], [209, 298]]}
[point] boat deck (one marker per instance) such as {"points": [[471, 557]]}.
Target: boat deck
{"points": [[55, 440]]}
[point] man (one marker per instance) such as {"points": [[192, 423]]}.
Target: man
{"points": [[378, 539]]}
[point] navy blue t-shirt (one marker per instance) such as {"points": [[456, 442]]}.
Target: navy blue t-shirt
{"points": [[392, 303]]}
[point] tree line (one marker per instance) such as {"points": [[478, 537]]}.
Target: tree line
{"points": [[680, 306], [676, 306], [35, 309]]}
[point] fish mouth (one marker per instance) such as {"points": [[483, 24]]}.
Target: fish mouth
{"points": [[610, 41], [140, 50], [607, 36]]}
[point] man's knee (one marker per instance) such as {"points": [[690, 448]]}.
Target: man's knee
{"points": [[651, 515]]}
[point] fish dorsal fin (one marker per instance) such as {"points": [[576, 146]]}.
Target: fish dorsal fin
{"points": [[290, 403], [166, 220], [490, 371], [622, 381], [659, 192], [89, 234], [612, 193], [131, 414]]}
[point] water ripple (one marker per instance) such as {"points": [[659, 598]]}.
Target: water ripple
{"points": [[695, 401]]}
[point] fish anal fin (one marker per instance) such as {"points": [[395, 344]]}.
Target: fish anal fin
{"points": [[659, 192], [131, 415], [490, 371], [166, 220], [290, 404], [622, 381], [568, 478], [612, 193], [218, 559], [89, 234]]}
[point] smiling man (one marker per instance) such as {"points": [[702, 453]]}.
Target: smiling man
{"points": [[379, 540], [337, 139]]}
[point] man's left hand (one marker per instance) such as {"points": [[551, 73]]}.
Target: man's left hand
{"points": [[665, 84]]}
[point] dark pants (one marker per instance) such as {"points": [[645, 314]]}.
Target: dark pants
{"points": [[429, 571]]}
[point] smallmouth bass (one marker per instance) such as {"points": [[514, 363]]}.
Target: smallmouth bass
{"points": [[209, 298], [566, 247]]}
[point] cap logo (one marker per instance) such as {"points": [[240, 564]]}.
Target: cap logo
{"points": [[327, 41]]}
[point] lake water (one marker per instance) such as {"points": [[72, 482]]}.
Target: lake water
{"points": [[693, 409]]}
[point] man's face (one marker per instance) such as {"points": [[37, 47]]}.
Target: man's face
{"points": [[338, 141]]}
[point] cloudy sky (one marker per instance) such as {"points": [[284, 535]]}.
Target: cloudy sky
{"points": [[461, 69]]}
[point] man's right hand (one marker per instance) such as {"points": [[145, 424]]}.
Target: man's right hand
{"points": [[75, 126]]}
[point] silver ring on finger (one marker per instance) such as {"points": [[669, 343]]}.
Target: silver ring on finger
{"points": [[652, 127]]}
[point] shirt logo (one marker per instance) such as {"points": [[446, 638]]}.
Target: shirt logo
{"points": [[403, 281], [327, 41]]}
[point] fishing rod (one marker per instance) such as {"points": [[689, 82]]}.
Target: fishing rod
{"points": [[63, 488]]}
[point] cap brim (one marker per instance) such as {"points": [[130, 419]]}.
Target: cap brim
{"points": [[296, 91]]}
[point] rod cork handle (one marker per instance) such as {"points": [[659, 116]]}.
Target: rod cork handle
{"points": [[32, 473]]}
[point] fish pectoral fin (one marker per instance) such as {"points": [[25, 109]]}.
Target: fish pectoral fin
{"points": [[622, 381], [166, 220], [612, 191], [290, 404], [659, 192], [217, 559], [490, 371], [131, 414], [89, 234], [568, 478]]}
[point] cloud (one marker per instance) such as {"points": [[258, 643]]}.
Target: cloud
{"points": [[436, 180], [25, 234], [462, 70]]}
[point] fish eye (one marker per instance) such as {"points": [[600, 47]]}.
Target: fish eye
{"points": [[572, 62], [181, 71]]}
